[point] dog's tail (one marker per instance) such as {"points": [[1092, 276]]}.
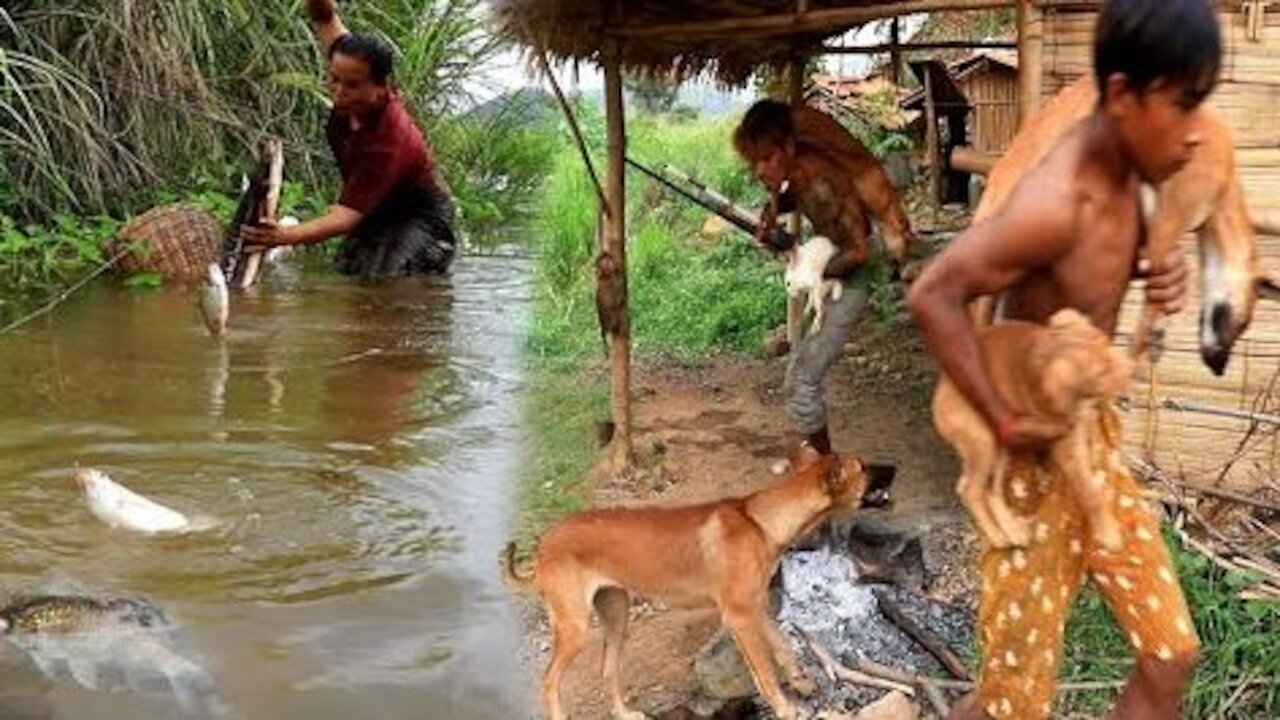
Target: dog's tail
{"points": [[511, 572]]}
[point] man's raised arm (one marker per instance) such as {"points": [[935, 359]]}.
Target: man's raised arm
{"points": [[325, 22]]}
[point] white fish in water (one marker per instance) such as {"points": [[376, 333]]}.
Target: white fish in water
{"points": [[215, 301], [120, 507]]}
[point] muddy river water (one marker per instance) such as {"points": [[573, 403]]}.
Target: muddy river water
{"points": [[358, 448]]}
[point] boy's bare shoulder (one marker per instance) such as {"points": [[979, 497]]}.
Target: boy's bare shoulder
{"points": [[1051, 194], [1058, 174]]}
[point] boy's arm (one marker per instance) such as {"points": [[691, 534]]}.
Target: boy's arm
{"points": [[1033, 230], [325, 22]]}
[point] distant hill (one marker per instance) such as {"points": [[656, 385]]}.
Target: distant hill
{"points": [[533, 105], [530, 105], [707, 99], [714, 101]]}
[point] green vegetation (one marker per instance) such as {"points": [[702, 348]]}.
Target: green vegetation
{"points": [[689, 296], [561, 409], [111, 108], [1238, 662]]}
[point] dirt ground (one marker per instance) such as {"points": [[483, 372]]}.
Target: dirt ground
{"points": [[715, 431]]}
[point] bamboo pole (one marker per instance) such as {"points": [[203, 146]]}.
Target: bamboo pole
{"points": [[1030, 59], [813, 21], [894, 47], [573, 128], [621, 454]]}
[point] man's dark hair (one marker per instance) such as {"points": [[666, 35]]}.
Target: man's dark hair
{"points": [[375, 53], [1149, 40], [768, 121]]}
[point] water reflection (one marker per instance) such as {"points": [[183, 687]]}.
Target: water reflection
{"points": [[392, 341]]}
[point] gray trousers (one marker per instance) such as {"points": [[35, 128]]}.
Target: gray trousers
{"points": [[816, 353]]}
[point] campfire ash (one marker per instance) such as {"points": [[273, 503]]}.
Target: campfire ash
{"points": [[823, 601]]}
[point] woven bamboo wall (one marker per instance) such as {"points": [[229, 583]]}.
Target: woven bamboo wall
{"points": [[993, 91], [1201, 445]]}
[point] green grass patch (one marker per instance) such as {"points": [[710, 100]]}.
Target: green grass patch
{"points": [[560, 410]]}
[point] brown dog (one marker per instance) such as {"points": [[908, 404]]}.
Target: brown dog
{"points": [[1058, 372], [723, 553]]}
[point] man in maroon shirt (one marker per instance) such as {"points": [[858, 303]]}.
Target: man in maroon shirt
{"points": [[395, 209]]}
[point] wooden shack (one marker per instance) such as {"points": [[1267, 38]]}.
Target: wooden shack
{"points": [[989, 79], [1210, 428]]}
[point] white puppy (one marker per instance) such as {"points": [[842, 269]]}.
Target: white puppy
{"points": [[805, 265]]}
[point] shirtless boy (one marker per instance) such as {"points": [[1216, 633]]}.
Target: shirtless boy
{"points": [[1069, 236]]}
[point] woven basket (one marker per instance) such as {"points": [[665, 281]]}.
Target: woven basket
{"points": [[177, 241]]}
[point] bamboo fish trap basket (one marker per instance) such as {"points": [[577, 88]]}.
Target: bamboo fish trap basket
{"points": [[178, 241]]}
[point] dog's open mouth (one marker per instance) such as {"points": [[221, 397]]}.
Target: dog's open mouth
{"points": [[879, 479]]}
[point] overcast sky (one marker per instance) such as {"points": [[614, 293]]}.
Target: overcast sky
{"points": [[508, 73]]}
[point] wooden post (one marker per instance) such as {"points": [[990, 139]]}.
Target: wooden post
{"points": [[931, 148], [1030, 58], [795, 305], [895, 55], [621, 453]]}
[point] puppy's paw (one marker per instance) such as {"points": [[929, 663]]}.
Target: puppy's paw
{"points": [[630, 715]]}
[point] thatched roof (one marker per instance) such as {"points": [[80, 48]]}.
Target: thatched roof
{"points": [[729, 38]]}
